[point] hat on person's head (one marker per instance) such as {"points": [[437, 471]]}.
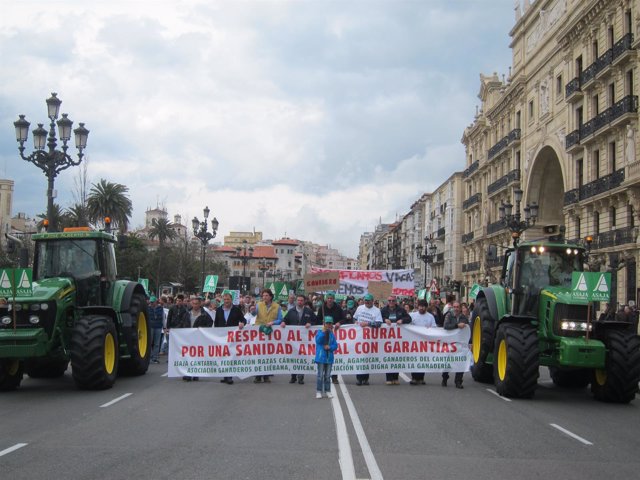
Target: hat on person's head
{"points": [[368, 296], [153, 299], [351, 303], [330, 293], [328, 319]]}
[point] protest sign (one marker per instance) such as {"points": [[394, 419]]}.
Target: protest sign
{"points": [[322, 281], [355, 282]]}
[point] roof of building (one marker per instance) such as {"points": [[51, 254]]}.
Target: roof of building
{"points": [[286, 241]]}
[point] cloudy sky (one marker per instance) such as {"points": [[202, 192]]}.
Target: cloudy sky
{"points": [[310, 118]]}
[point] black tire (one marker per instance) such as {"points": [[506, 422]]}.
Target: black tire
{"points": [[10, 374], [46, 368], [618, 381], [482, 337], [570, 377], [516, 360], [94, 352], [138, 363]]}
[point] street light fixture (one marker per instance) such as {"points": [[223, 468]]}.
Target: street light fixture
{"points": [[201, 232], [513, 221], [53, 161], [264, 266], [429, 256], [245, 260]]}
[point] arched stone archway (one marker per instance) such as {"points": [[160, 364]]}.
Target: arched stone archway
{"points": [[546, 187]]}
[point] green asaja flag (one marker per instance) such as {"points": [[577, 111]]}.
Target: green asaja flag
{"points": [[591, 286], [210, 283]]}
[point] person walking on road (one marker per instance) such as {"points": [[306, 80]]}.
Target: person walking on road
{"points": [[228, 315], [367, 316], [269, 314], [393, 313], [421, 318], [454, 319], [300, 315], [156, 317], [326, 344]]}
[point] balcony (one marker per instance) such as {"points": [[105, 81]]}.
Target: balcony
{"points": [[495, 227], [573, 91], [472, 168], [596, 68], [612, 116], [471, 201], [572, 142], [495, 262], [623, 49], [467, 237], [614, 238], [597, 187], [440, 232], [572, 196], [512, 176], [471, 267], [439, 258], [513, 136]]}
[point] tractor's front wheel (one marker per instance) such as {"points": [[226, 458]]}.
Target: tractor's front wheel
{"points": [[10, 374], [482, 337], [618, 381], [138, 363], [516, 361], [94, 352]]}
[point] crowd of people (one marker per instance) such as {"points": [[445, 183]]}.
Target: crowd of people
{"points": [[167, 313]]}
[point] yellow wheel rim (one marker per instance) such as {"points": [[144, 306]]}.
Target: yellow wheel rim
{"points": [[142, 334], [109, 353], [601, 376], [502, 360], [477, 338], [13, 368]]}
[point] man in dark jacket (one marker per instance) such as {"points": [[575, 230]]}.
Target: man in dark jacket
{"points": [[300, 315], [394, 313], [195, 318], [156, 316], [228, 315], [454, 319], [329, 308]]}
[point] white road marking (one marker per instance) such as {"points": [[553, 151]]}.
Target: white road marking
{"points": [[13, 449], [571, 434], [108, 404], [369, 459], [405, 377], [345, 457], [165, 374], [498, 395]]}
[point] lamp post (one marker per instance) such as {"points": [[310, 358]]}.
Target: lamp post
{"points": [[245, 260], [53, 161], [513, 221], [263, 266], [429, 256], [201, 232]]}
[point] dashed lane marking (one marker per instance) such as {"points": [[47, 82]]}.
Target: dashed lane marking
{"points": [[571, 434], [12, 449], [122, 397], [493, 392]]}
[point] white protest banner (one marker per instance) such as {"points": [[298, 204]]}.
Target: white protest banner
{"points": [[224, 352], [354, 282]]}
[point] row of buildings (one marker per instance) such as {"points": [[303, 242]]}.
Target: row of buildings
{"points": [[561, 130]]}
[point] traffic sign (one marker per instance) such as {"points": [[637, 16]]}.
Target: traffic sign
{"points": [[591, 286], [210, 283]]}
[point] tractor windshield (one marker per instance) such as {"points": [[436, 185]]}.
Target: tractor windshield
{"points": [[64, 258]]}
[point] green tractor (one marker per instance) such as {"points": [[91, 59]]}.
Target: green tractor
{"points": [[532, 319], [78, 313]]}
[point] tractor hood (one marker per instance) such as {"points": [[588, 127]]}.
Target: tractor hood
{"points": [[563, 295], [54, 288]]}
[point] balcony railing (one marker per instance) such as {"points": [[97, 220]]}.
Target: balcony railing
{"points": [[512, 176], [440, 232], [622, 45], [495, 227], [495, 261], [613, 238], [470, 267], [472, 200], [467, 237], [572, 139], [471, 168], [602, 62], [572, 196], [572, 87], [504, 142], [591, 189]]}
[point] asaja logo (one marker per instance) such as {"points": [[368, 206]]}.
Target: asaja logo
{"points": [[602, 285], [582, 284], [5, 281]]}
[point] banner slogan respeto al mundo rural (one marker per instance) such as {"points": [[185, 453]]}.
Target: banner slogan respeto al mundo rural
{"points": [[230, 351]]}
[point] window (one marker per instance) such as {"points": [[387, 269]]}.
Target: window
{"points": [[594, 105], [630, 216], [531, 110], [596, 223], [596, 165], [559, 86], [612, 217], [628, 25], [579, 66], [518, 119], [594, 50], [517, 165], [577, 223], [628, 83], [612, 156], [579, 172], [611, 94], [579, 117], [610, 37]]}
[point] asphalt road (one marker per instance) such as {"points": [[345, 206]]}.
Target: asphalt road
{"points": [[166, 428]]}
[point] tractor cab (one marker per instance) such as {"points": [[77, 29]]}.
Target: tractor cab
{"points": [[535, 265], [84, 256]]}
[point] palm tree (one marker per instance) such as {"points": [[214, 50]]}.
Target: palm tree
{"points": [[61, 217], [108, 199], [78, 215], [162, 229]]}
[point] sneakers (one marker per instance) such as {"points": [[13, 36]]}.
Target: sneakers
{"points": [[334, 380], [318, 395], [396, 382], [293, 380], [329, 395], [388, 382], [459, 385], [155, 361]]}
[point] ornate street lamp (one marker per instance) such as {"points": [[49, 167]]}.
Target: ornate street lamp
{"points": [[201, 232], [513, 221], [429, 256], [245, 260], [53, 161], [264, 266]]}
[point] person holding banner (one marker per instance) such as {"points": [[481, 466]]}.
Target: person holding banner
{"points": [[392, 313], [300, 315], [367, 316], [331, 309], [454, 319], [421, 318], [228, 315], [326, 344], [269, 314]]}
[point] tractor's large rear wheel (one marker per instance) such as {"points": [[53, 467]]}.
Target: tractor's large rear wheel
{"points": [[618, 381], [10, 374], [46, 368], [516, 361], [138, 363], [94, 352], [482, 337]]}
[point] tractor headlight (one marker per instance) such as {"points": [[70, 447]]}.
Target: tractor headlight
{"points": [[6, 320], [34, 307], [33, 319], [576, 326], [44, 306]]}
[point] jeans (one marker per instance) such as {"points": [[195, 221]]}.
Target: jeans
{"points": [[156, 339], [323, 383]]}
